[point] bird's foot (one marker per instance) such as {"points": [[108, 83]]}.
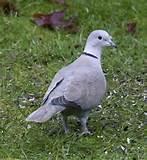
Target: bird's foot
{"points": [[86, 133], [66, 130]]}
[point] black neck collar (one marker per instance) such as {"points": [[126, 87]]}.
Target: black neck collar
{"points": [[89, 54]]}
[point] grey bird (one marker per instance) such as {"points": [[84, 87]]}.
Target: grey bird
{"points": [[78, 87]]}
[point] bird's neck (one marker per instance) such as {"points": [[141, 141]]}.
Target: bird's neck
{"points": [[96, 51]]}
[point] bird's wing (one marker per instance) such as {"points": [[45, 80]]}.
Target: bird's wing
{"points": [[74, 91], [62, 101], [59, 77]]}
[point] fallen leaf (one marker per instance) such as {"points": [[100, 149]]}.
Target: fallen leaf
{"points": [[8, 7], [131, 27], [55, 20], [77, 46]]}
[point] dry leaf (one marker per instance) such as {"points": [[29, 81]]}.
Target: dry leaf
{"points": [[131, 27], [8, 7], [55, 20]]}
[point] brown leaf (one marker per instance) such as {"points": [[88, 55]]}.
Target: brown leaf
{"points": [[131, 27], [55, 20], [8, 7]]}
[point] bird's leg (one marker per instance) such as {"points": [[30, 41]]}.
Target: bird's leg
{"points": [[65, 125], [83, 120]]}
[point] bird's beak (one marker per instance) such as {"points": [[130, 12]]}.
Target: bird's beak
{"points": [[112, 44]]}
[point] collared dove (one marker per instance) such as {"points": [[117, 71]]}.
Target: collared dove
{"points": [[78, 87]]}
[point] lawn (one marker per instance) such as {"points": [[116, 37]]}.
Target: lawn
{"points": [[31, 55]]}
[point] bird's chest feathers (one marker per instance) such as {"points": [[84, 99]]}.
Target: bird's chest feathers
{"points": [[95, 87]]}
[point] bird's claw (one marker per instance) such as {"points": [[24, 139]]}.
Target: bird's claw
{"points": [[86, 133], [66, 131]]}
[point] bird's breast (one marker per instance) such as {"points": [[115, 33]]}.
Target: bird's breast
{"points": [[95, 90]]}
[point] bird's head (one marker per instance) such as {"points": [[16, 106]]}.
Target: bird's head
{"points": [[100, 39]]}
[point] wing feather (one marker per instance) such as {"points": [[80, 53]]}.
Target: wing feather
{"points": [[51, 90], [62, 101]]}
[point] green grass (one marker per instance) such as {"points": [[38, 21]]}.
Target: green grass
{"points": [[29, 58]]}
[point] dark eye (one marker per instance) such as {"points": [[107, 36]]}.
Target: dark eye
{"points": [[99, 37]]}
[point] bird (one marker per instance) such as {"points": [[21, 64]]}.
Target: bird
{"points": [[78, 87]]}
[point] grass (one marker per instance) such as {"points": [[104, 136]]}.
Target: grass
{"points": [[29, 58]]}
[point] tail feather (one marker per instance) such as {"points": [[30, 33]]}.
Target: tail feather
{"points": [[44, 113]]}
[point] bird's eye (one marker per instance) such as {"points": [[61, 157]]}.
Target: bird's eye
{"points": [[99, 37]]}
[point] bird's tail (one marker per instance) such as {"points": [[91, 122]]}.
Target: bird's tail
{"points": [[44, 113]]}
